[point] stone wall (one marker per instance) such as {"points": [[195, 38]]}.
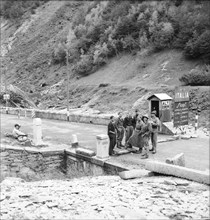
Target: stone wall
{"points": [[30, 165], [73, 117], [37, 164]]}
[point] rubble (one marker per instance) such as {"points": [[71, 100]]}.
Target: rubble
{"points": [[104, 197]]}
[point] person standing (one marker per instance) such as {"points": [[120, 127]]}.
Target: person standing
{"points": [[146, 130], [135, 118], [128, 125], [120, 130], [112, 135], [155, 124], [136, 138]]}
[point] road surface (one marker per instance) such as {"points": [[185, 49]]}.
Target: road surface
{"points": [[59, 133]]}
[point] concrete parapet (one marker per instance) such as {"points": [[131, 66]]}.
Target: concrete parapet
{"points": [[138, 173], [183, 172], [73, 116], [177, 160]]}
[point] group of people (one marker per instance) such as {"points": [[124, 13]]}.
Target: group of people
{"points": [[137, 130]]}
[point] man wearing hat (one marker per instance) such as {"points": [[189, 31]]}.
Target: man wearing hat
{"points": [[128, 125], [19, 134], [155, 124], [146, 130], [112, 135], [120, 130]]}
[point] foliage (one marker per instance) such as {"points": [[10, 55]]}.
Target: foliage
{"points": [[197, 77], [59, 54], [199, 46], [12, 9], [84, 66], [103, 29]]}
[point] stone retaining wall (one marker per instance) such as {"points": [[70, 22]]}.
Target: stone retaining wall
{"points": [[73, 117], [38, 164]]}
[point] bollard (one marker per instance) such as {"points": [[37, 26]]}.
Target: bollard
{"points": [[74, 140], [37, 131], [68, 114], [196, 123], [18, 113], [102, 146]]}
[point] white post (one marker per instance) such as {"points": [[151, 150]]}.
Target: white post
{"points": [[19, 113], [37, 131], [102, 146], [74, 142], [196, 123]]}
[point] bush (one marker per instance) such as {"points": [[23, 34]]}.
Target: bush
{"points": [[162, 36], [12, 9], [197, 77], [84, 66], [199, 46], [59, 54]]}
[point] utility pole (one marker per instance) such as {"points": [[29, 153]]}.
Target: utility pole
{"points": [[5, 81], [67, 72]]}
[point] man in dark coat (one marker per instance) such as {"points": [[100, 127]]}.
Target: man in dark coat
{"points": [[120, 130], [135, 118], [112, 135], [128, 125], [155, 123]]}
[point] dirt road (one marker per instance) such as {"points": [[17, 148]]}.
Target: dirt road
{"points": [[58, 134]]}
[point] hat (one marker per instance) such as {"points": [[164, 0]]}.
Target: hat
{"points": [[17, 125], [154, 112], [145, 116]]}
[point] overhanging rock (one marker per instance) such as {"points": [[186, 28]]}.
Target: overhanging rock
{"points": [[178, 171]]}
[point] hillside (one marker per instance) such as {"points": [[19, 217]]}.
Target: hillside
{"points": [[31, 48]]}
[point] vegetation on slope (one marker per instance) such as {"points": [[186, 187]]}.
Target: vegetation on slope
{"points": [[104, 29]]}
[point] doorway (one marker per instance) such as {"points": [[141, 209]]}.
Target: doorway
{"points": [[155, 106]]}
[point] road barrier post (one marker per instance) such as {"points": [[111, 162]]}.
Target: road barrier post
{"points": [[37, 131]]}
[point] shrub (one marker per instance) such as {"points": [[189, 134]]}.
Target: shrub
{"points": [[84, 66], [162, 36], [199, 46], [59, 54], [197, 77]]}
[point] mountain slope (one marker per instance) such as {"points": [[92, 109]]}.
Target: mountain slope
{"points": [[123, 83]]}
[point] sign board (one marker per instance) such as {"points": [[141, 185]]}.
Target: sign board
{"points": [[181, 106], [165, 105], [181, 113], [6, 96], [181, 94]]}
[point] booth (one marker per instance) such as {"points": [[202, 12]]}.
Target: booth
{"points": [[162, 104]]}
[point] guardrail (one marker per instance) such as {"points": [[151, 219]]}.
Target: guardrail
{"points": [[71, 117]]}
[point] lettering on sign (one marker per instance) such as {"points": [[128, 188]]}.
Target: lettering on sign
{"points": [[181, 94], [181, 113], [165, 105]]}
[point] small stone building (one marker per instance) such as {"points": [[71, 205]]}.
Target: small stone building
{"points": [[161, 103]]}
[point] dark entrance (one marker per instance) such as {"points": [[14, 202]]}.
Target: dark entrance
{"points": [[155, 106]]}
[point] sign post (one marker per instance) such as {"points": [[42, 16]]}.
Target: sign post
{"points": [[6, 97], [181, 107]]}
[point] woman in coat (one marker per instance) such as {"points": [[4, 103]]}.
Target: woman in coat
{"points": [[136, 138]]}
